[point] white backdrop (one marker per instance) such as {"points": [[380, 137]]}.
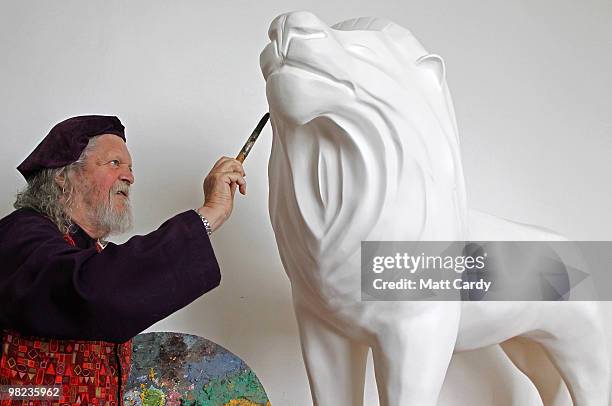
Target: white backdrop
{"points": [[530, 80]]}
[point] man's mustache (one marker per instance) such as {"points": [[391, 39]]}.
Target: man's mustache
{"points": [[120, 188]]}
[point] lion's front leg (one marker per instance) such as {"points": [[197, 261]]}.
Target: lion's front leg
{"points": [[412, 354], [335, 364]]}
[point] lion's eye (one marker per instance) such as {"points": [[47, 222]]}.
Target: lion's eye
{"points": [[307, 33], [361, 50]]}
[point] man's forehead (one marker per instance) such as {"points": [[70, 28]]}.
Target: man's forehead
{"points": [[111, 145]]}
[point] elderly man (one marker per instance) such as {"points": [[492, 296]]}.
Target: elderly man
{"points": [[70, 302]]}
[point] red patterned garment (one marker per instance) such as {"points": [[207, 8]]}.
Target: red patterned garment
{"points": [[89, 372]]}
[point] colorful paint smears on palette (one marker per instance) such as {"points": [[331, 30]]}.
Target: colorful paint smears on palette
{"points": [[171, 369]]}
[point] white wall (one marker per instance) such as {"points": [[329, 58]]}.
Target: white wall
{"points": [[531, 83]]}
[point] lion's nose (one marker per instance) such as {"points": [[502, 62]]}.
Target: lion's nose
{"points": [[304, 19], [299, 24]]}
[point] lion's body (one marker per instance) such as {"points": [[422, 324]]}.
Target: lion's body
{"points": [[366, 147]]}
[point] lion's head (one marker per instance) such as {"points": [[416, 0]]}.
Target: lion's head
{"points": [[365, 141]]}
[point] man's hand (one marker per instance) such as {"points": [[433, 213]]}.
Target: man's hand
{"points": [[219, 188]]}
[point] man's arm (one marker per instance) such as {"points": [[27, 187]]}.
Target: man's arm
{"points": [[48, 288]]}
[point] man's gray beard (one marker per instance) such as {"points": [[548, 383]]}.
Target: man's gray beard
{"points": [[112, 220], [105, 216]]}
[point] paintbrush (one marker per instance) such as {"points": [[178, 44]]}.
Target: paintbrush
{"points": [[251, 140]]}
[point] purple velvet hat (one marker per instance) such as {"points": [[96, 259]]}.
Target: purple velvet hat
{"points": [[66, 140]]}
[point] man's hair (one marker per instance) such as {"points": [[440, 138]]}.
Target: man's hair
{"points": [[46, 196]]}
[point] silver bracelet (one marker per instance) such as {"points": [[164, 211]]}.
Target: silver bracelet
{"points": [[205, 221]]}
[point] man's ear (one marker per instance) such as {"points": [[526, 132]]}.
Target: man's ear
{"points": [[435, 64], [60, 179]]}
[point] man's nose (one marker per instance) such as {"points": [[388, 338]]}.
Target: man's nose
{"points": [[127, 176]]}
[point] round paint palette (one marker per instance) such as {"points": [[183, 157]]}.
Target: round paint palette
{"points": [[181, 369]]}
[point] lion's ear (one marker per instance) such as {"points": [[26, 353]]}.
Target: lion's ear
{"points": [[435, 64]]}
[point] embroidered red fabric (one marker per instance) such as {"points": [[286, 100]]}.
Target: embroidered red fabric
{"points": [[89, 372]]}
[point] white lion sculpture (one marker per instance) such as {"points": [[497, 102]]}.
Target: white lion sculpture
{"points": [[365, 147]]}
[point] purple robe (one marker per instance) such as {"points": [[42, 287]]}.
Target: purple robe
{"points": [[51, 289]]}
